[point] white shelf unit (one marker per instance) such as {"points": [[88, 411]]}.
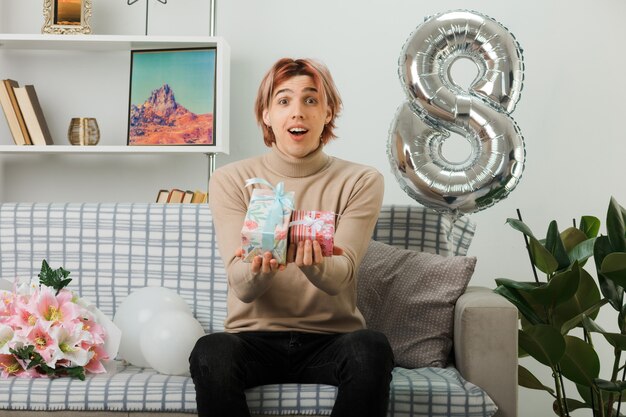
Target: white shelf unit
{"points": [[108, 43], [106, 149]]}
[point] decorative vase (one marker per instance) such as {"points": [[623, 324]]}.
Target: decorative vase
{"points": [[83, 131]]}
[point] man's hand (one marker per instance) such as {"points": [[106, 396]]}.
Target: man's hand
{"points": [[263, 264], [308, 252]]}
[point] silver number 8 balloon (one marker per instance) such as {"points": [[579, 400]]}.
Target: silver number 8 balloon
{"points": [[437, 106]]}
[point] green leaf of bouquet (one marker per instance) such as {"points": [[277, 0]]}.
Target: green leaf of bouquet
{"points": [[526, 379], [555, 246], [76, 372], [544, 343], [542, 258], [520, 226], [37, 361], [614, 267], [48, 370], [610, 386], [590, 226], [46, 271], [580, 363], [56, 279], [23, 352], [586, 297], [520, 302], [615, 226], [617, 340], [609, 289]]}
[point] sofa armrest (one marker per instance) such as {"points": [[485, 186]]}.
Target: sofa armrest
{"points": [[485, 345]]}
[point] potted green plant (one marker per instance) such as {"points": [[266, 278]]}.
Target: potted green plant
{"points": [[557, 326]]}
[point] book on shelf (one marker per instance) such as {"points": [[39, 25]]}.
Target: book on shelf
{"points": [[33, 115], [199, 197], [162, 196], [175, 196], [188, 196], [13, 113]]}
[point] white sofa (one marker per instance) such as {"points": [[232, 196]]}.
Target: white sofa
{"points": [[112, 249]]}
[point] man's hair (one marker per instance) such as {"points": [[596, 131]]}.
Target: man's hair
{"points": [[285, 69]]}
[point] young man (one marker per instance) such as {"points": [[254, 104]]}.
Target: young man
{"points": [[296, 322]]}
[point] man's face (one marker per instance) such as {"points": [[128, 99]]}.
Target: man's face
{"points": [[297, 115]]}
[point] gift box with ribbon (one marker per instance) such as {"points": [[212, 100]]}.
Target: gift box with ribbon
{"points": [[266, 225], [313, 225]]}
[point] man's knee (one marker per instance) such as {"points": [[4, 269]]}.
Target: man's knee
{"points": [[369, 350], [214, 353]]}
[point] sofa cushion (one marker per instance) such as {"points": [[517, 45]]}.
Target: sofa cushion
{"points": [[420, 392], [436, 392], [426, 392], [410, 297]]}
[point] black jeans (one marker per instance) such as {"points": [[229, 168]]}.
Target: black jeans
{"points": [[359, 363]]}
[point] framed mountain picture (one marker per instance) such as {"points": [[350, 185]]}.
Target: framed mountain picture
{"points": [[172, 97]]}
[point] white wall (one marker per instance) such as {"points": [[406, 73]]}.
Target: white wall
{"points": [[571, 110]]}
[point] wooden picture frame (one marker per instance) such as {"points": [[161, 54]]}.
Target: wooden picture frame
{"points": [[66, 16], [173, 97]]}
